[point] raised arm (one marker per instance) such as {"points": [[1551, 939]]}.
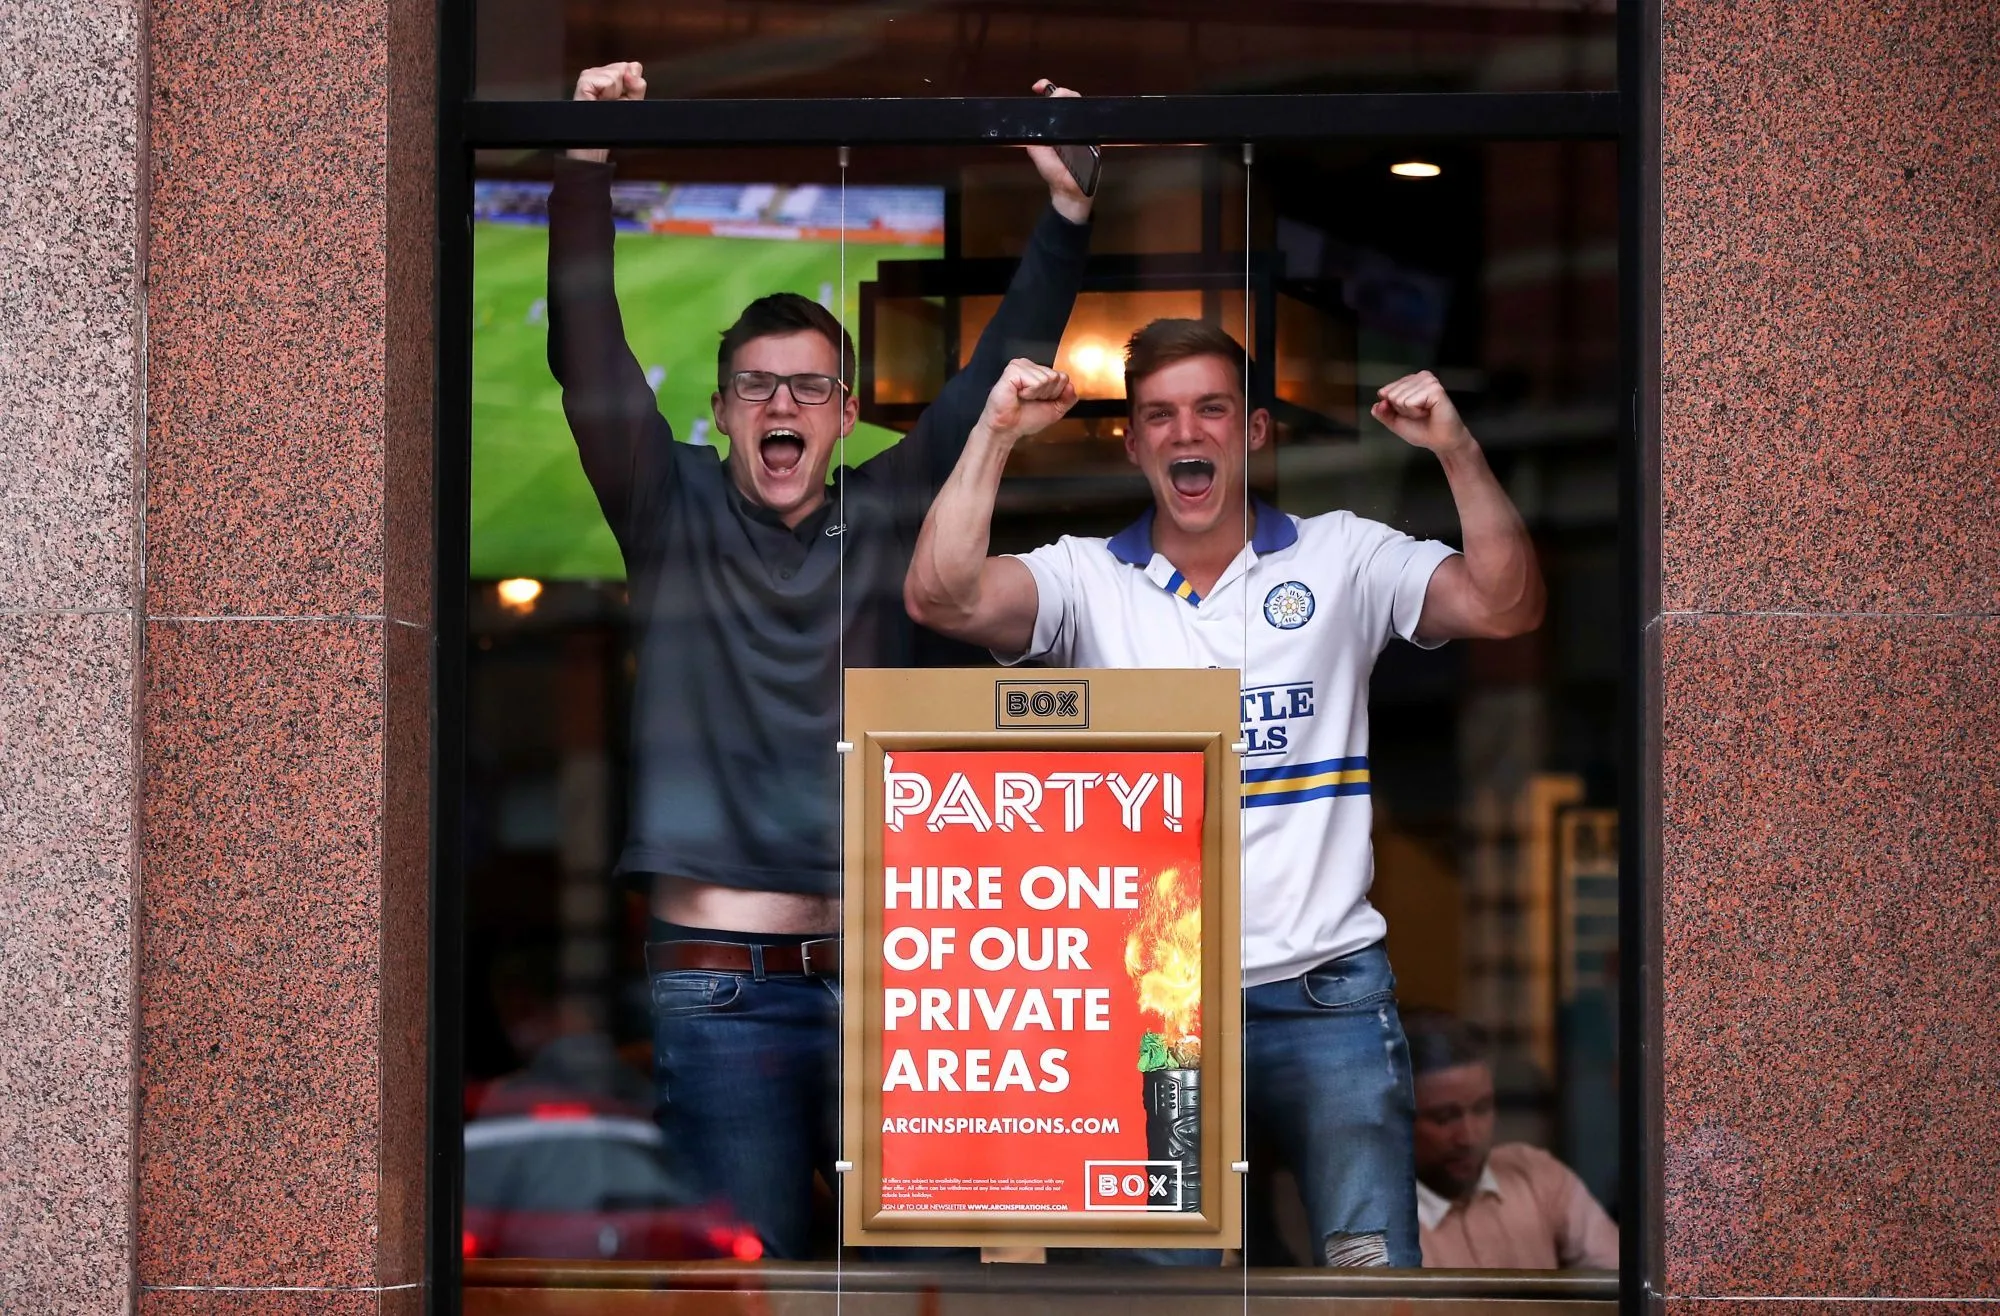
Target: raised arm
{"points": [[953, 587], [1495, 590], [609, 404], [1029, 322]]}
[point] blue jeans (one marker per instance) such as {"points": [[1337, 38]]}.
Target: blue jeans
{"points": [[748, 1085], [1326, 1086], [746, 1074], [1327, 1083]]}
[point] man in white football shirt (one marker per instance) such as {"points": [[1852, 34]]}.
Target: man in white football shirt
{"points": [[1302, 608]]}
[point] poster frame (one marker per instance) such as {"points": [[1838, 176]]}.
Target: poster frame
{"points": [[957, 709]]}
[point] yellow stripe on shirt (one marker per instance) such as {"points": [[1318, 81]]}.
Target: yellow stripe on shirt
{"points": [[1285, 785]]}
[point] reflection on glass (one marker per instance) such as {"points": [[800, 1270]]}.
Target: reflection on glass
{"points": [[698, 440], [627, 712], [562, 1156], [1359, 300], [1491, 761], [1069, 588]]}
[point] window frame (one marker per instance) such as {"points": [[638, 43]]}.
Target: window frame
{"points": [[1628, 117]]}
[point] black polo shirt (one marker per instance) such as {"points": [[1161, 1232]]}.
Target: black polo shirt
{"points": [[739, 619]]}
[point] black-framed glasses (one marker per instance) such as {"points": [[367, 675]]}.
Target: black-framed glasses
{"points": [[762, 386]]}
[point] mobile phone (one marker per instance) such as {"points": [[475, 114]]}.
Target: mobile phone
{"points": [[1083, 162]]}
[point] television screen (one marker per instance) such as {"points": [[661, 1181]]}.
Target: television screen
{"points": [[690, 256]]}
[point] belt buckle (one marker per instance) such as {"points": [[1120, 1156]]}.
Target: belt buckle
{"points": [[828, 946]]}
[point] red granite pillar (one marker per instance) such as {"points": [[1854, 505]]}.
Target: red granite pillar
{"points": [[1830, 650], [70, 394], [284, 799]]}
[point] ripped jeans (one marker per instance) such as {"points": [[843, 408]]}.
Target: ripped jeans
{"points": [[1327, 1085]]}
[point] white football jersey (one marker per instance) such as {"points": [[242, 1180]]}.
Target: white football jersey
{"points": [[1302, 612]]}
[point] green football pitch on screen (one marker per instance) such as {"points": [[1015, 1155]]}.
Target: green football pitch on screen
{"points": [[533, 513]]}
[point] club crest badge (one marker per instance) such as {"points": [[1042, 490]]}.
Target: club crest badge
{"points": [[1288, 606]]}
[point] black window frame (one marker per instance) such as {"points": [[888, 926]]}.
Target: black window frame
{"points": [[1627, 116]]}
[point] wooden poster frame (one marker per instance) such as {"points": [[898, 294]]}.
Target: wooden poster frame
{"points": [[965, 709]]}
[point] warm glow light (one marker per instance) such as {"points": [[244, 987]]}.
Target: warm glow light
{"points": [[1096, 368], [520, 593], [559, 1110], [1415, 169]]}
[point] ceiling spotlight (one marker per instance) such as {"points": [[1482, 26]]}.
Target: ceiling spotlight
{"points": [[1415, 169], [1095, 365]]}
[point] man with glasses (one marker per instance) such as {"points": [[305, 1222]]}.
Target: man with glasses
{"points": [[749, 577]]}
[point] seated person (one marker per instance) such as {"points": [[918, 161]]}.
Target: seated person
{"points": [[1189, 585], [1511, 1207]]}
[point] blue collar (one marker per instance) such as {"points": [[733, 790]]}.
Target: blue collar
{"points": [[1274, 530]]}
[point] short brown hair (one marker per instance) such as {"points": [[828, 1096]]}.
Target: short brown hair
{"points": [[1442, 1041], [1163, 342], [782, 313]]}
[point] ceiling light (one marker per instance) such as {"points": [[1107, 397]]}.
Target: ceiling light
{"points": [[1415, 169], [1095, 366]]}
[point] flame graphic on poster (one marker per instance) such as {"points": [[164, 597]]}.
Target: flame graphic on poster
{"points": [[1163, 957]]}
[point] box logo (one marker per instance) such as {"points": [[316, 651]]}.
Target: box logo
{"points": [[1131, 1185], [1040, 704]]}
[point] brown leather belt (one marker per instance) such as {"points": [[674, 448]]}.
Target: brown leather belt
{"points": [[815, 959]]}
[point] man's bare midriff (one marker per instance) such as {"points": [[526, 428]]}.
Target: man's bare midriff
{"points": [[695, 904]]}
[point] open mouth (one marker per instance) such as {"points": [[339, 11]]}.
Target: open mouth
{"points": [[1191, 477], [781, 451]]}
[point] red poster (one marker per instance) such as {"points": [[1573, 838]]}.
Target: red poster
{"points": [[1041, 987]]}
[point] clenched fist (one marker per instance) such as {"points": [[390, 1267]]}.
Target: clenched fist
{"points": [[1027, 399], [611, 82], [1418, 411]]}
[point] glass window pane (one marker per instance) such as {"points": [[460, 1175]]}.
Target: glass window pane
{"points": [[1066, 1050], [640, 710], [1481, 775], [653, 874]]}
